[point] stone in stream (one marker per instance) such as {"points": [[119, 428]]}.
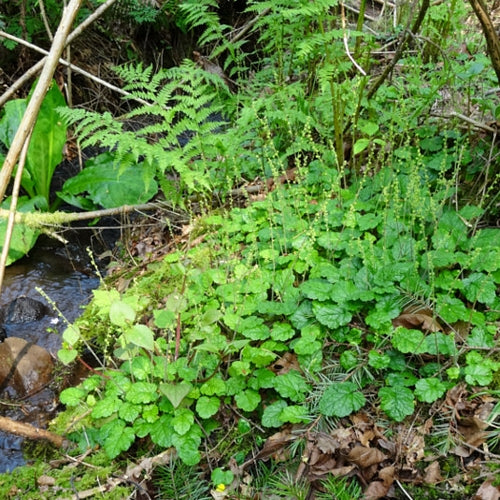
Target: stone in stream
{"points": [[24, 310], [25, 368]]}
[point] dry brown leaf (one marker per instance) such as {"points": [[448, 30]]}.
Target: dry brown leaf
{"points": [[415, 450], [286, 363], [387, 474], [326, 443], [421, 320], [487, 492], [345, 437], [472, 429], [274, 445], [433, 473], [342, 471], [462, 451], [376, 490], [365, 457]]}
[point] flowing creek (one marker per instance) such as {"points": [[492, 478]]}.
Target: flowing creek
{"points": [[68, 280]]}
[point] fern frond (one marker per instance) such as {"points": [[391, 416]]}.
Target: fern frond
{"points": [[176, 133]]}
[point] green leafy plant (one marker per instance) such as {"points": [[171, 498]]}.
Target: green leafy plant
{"points": [[44, 154], [46, 144], [176, 144]]}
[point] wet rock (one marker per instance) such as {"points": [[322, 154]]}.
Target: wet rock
{"points": [[25, 368], [24, 310]]}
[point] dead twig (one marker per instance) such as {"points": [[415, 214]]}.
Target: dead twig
{"points": [[30, 432], [74, 68], [34, 70]]}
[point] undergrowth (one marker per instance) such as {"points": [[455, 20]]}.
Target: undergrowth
{"points": [[358, 281]]}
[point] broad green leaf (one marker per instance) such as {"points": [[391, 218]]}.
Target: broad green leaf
{"points": [[23, 237], [150, 413], [282, 331], [214, 386], [306, 346], [161, 431], [478, 374], [13, 114], [129, 412], [71, 335], [429, 389], [407, 341], [238, 368], [377, 360], [109, 184], [291, 385], [259, 356], [141, 367], [360, 145], [220, 476], [117, 437], [397, 402], [440, 343], [406, 379], [72, 396], [141, 336], [480, 288], [206, 407], [271, 414], [106, 407], [451, 309], [176, 392], [247, 400], [343, 291], [183, 420], [164, 318], [482, 336], [341, 399], [121, 314], [253, 328], [142, 392], [381, 318], [295, 414], [331, 315], [187, 445], [262, 379], [67, 356], [47, 141], [316, 289]]}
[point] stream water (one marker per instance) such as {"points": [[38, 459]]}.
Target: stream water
{"points": [[68, 279]]}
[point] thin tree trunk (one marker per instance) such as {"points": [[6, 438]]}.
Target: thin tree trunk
{"points": [[490, 34]]}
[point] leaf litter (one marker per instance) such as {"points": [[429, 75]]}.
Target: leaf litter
{"points": [[384, 460]]}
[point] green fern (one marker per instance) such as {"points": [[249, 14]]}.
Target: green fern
{"points": [[174, 130]]}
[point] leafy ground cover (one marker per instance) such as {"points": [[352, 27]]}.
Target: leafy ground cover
{"points": [[331, 329]]}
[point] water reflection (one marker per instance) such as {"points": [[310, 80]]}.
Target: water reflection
{"points": [[69, 283]]}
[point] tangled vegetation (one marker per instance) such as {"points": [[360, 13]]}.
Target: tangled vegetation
{"points": [[330, 328]]}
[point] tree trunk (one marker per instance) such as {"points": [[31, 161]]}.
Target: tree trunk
{"points": [[490, 34]]}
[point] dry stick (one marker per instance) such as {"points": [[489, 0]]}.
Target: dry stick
{"points": [[24, 131], [399, 52], [36, 100], [39, 219], [30, 432], [12, 209], [74, 68], [39, 65]]}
